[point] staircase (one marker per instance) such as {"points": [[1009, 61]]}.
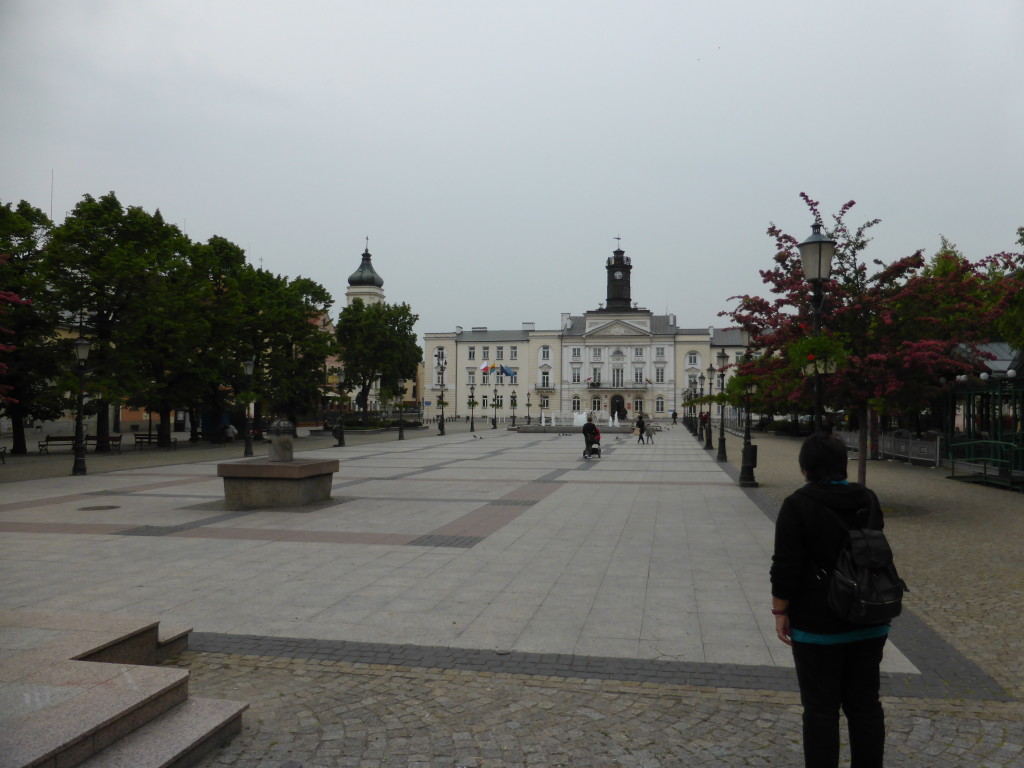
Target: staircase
{"points": [[83, 690]]}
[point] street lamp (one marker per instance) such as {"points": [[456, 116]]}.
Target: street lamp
{"points": [[401, 409], [247, 366], [708, 444], [494, 403], [816, 253], [512, 402], [339, 429], [723, 360], [441, 366], [700, 410], [749, 451], [82, 354], [527, 409], [472, 405]]}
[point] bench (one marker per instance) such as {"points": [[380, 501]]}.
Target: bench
{"points": [[114, 441], [147, 439], [51, 440]]}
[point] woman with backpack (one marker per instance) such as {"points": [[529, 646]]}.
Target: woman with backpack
{"points": [[837, 661]]}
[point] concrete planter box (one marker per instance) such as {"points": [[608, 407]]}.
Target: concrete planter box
{"points": [[260, 483]]}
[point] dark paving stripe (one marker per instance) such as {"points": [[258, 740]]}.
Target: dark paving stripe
{"points": [[462, 542], [566, 665], [167, 530]]}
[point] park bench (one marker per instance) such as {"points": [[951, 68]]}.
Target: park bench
{"points": [[114, 441], [51, 440], [142, 440]]}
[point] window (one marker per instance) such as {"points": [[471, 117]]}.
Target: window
{"points": [[692, 382], [513, 353], [596, 353], [483, 378], [638, 351], [487, 353], [616, 377], [576, 352], [483, 401], [545, 353], [575, 374], [498, 401], [691, 358], [545, 379], [499, 379], [595, 404], [471, 377], [596, 377], [472, 353], [638, 405], [576, 403], [659, 351], [545, 402], [659, 405], [638, 375], [659, 375], [514, 378], [499, 353]]}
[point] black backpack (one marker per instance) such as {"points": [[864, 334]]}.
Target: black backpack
{"points": [[863, 586]]}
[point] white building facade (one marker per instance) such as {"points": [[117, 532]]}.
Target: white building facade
{"points": [[617, 360]]}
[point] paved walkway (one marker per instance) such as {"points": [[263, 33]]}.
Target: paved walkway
{"points": [[493, 599]]}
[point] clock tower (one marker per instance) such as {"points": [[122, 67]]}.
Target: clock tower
{"points": [[618, 268]]}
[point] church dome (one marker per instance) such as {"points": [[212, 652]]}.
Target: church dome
{"points": [[366, 274]]}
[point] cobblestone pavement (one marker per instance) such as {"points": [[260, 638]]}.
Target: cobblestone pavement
{"points": [[958, 546], [319, 703]]}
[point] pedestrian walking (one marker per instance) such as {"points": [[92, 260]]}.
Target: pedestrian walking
{"points": [[837, 662], [640, 429], [649, 431]]}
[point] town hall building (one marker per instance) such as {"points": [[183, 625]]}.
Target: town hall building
{"points": [[619, 359]]}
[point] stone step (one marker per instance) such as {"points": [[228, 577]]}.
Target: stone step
{"points": [[93, 705], [171, 642], [178, 738]]}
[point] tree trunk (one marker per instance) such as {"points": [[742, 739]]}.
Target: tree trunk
{"points": [[102, 427], [19, 446], [164, 432]]}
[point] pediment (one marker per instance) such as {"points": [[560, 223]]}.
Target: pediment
{"points": [[616, 328]]}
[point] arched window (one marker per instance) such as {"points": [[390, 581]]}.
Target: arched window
{"points": [[638, 406], [575, 403], [595, 404], [659, 405]]}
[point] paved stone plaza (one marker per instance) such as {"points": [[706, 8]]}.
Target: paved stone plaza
{"points": [[492, 599]]}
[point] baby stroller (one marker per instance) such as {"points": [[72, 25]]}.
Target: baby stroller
{"points": [[593, 449]]}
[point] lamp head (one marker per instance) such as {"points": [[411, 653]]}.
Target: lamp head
{"points": [[82, 349], [816, 253]]}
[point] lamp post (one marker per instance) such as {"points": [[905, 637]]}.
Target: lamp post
{"points": [[816, 253], [527, 409], [749, 451], [700, 410], [512, 402], [472, 406], [494, 404], [339, 429], [723, 360], [441, 366], [248, 366], [708, 443], [401, 409], [82, 354]]}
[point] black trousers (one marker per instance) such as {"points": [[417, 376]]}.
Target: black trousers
{"points": [[834, 677]]}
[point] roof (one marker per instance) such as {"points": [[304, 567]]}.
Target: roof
{"points": [[366, 274]]}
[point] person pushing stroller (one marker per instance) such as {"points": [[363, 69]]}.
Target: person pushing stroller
{"points": [[591, 438]]}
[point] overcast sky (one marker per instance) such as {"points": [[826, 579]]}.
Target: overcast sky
{"points": [[493, 150]]}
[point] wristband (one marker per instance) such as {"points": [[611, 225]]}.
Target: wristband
{"points": [[778, 613]]}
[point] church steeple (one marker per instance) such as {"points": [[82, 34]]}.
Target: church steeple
{"points": [[365, 283], [618, 268]]}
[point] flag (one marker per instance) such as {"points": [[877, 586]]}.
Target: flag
{"points": [[648, 380], [494, 367], [485, 367], [508, 372]]}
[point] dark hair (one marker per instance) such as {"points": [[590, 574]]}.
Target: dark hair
{"points": [[823, 458]]}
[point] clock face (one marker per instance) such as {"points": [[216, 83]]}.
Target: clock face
{"points": [[618, 275]]}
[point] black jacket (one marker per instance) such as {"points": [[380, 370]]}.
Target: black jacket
{"points": [[590, 432], [807, 542]]}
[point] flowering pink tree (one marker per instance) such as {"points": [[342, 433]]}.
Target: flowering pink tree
{"points": [[890, 331]]}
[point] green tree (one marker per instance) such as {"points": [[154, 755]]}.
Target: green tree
{"points": [[378, 345], [33, 358]]}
